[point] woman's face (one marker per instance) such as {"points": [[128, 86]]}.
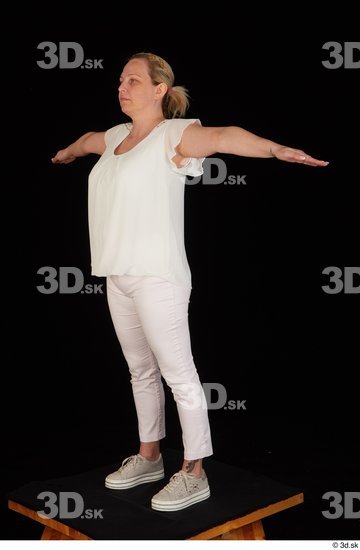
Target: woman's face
{"points": [[136, 90]]}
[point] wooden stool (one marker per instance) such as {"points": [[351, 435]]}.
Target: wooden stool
{"points": [[248, 527], [239, 500]]}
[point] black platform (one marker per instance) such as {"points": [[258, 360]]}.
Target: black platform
{"points": [[127, 514]]}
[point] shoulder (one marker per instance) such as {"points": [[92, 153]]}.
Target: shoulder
{"points": [[114, 132], [117, 128], [175, 128], [182, 122]]}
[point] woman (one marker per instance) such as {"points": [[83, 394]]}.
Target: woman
{"points": [[136, 193]]}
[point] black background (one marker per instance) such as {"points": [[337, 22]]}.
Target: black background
{"points": [[260, 322]]}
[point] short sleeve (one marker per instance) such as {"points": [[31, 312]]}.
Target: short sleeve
{"points": [[173, 135], [111, 135]]}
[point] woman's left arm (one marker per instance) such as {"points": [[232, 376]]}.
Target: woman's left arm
{"points": [[201, 141]]}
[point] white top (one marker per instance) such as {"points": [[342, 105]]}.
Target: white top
{"points": [[136, 205]]}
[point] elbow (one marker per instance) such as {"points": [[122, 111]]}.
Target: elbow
{"points": [[222, 139], [87, 143]]}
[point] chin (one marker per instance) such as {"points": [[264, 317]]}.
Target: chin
{"points": [[125, 108]]}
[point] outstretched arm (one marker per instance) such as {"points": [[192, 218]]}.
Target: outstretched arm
{"points": [[91, 142], [201, 141]]}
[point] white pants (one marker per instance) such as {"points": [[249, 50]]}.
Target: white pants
{"points": [[150, 317]]}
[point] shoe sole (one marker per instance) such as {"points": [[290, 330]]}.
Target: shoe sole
{"points": [[181, 503], [132, 482]]}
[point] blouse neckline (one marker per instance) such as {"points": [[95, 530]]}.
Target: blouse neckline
{"points": [[139, 143]]}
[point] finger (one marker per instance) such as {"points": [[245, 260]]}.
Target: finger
{"points": [[316, 163], [311, 161], [303, 158], [295, 155]]}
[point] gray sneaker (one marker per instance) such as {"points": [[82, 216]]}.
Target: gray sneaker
{"points": [[182, 491], [135, 470]]}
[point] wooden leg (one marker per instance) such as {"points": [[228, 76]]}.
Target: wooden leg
{"points": [[54, 530], [51, 534], [252, 531]]}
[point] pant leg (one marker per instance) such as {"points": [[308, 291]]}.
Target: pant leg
{"points": [[162, 309], [146, 381]]}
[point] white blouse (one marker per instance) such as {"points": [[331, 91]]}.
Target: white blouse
{"points": [[136, 205]]}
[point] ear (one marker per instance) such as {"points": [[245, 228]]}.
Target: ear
{"points": [[160, 90]]}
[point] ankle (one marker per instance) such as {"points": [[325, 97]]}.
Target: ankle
{"points": [[193, 467], [152, 457], [150, 450], [195, 473]]}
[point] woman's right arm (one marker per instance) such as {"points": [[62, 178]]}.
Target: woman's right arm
{"points": [[91, 142]]}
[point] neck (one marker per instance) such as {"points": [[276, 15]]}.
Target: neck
{"points": [[141, 125]]}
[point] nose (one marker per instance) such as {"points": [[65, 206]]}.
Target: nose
{"points": [[121, 87]]}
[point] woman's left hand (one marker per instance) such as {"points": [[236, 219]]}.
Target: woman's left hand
{"points": [[296, 155]]}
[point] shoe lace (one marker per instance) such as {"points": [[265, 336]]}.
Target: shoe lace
{"points": [[129, 461], [176, 480]]}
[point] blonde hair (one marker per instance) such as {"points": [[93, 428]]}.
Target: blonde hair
{"points": [[176, 100]]}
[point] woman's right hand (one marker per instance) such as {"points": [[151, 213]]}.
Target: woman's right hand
{"points": [[64, 156]]}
